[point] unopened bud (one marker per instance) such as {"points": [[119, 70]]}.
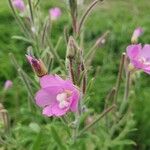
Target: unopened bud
{"points": [[8, 84], [71, 48], [19, 4], [37, 65], [55, 13], [4, 117]]}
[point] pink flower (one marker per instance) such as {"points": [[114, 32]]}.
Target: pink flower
{"points": [[8, 84], [55, 13], [136, 34], [57, 96], [139, 57], [18, 4], [37, 65]]}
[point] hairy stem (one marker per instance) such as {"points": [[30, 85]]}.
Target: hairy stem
{"points": [[121, 66], [96, 120], [87, 13]]}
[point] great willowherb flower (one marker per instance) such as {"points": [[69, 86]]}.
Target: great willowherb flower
{"points": [[8, 84], [37, 65], [57, 96], [55, 13], [139, 57], [136, 34], [19, 4]]}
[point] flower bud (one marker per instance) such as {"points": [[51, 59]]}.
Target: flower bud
{"points": [[71, 48], [136, 34], [4, 118], [37, 65], [19, 4], [8, 84], [55, 13]]}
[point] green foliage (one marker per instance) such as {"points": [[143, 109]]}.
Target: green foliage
{"points": [[30, 130]]}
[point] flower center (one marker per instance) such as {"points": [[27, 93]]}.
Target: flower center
{"points": [[63, 100], [144, 61]]}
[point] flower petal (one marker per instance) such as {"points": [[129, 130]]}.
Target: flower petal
{"points": [[133, 51], [50, 80], [58, 111], [146, 51], [47, 111], [47, 95]]}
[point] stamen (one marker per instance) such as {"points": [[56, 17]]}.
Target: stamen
{"points": [[62, 99]]}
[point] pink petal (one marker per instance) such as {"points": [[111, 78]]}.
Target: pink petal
{"points": [[138, 32], [29, 58], [50, 80], [68, 85], [47, 96], [57, 111], [133, 51], [146, 51], [147, 71], [47, 111], [137, 63]]}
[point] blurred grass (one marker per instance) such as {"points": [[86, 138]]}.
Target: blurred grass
{"points": [[118, 16]]}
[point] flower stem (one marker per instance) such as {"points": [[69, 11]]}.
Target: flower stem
{"points": [[31, 11], [87, 13], [109, 96], [126, 93], [71, 70], [27, 84], [20, 23], [96, 120], [121, 66], [91, 54]]}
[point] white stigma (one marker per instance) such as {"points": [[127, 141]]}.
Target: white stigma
{"points": [[63, 104], [62, 99]]}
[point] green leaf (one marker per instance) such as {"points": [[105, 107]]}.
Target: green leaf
{"points": [[122, 142], [37, 142], [57, 138], [22, 39]]}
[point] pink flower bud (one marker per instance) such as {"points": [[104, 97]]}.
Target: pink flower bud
{"points": [[55, 13], [37, 65], [19, 4], [8, 84], [136, 34]]}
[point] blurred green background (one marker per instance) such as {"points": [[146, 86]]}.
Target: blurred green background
{"points": [[121, 17]]}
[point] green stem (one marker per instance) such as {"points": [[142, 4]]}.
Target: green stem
{"points": [[27, 84], [86, 14], [20, 23], [96, 120], [126, 93], [31, 11], [91, 54], [121, 66]]}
